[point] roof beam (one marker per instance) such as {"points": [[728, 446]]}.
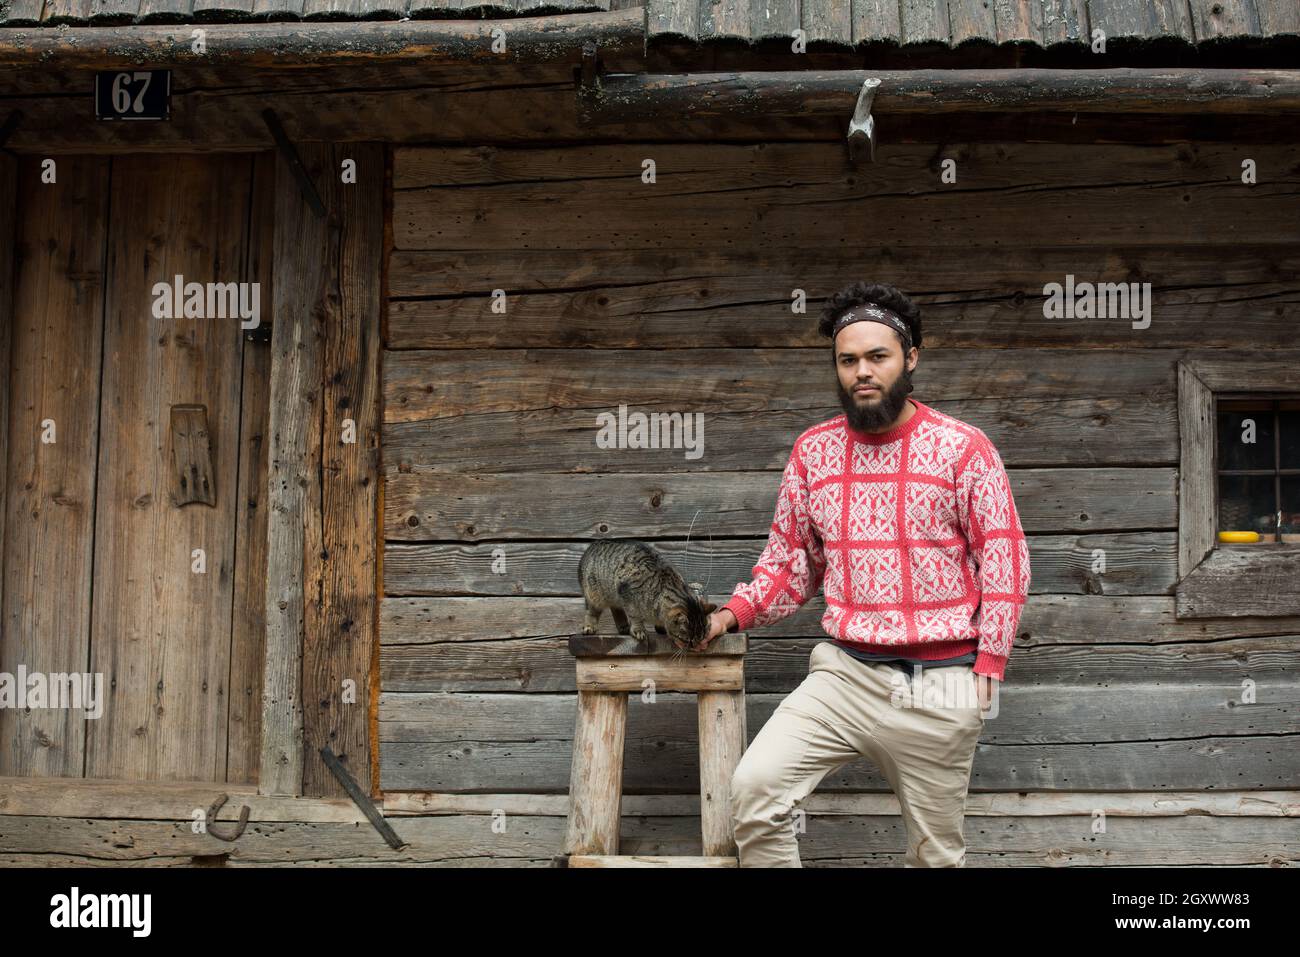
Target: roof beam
{"points": [[549, 39], [627, 97]]}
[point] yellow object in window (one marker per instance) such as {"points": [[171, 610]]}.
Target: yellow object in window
{"points": [[1238, 536]]}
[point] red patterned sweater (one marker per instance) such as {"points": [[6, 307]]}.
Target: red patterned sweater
{"points": [[913, 531]]}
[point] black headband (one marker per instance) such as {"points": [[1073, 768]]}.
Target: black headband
{"points": [[870, 312]]}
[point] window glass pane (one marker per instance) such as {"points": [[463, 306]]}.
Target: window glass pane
{"points": [[1246, 504], [1243, 448], [1291, 506], [1290, 435]]}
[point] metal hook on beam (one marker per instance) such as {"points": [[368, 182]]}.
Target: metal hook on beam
{"points": [[862, 128]]}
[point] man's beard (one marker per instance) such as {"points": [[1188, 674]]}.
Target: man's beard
{"points": [[881, 412]]}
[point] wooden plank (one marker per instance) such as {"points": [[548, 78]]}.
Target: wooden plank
{"points": [[1136, 563], [340, 627], [1153, 20], [659, 646], [1242, 581], [8, 275], [248, 622], [53, 377], [422, 385], [293, 488], [1126, 736], [167, 800], [971, 21], [706, 197], [1207, 297], [822, 21], [321, 608], [596, 773], [692, 673], [1214, 19], [1198, 518], [430, 506], [649, 860], [1047, 620], [466, 840], [537, 665], [875, 20], [926, 22], [1151, 804], [160, 630], [723, 737], [1064, 21], [1102, 430], [727, 18]]}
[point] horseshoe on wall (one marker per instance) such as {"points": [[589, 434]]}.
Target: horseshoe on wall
{"points": [[212, 820]]}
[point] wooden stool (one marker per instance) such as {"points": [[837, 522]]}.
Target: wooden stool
{"points": [[609, 668]]}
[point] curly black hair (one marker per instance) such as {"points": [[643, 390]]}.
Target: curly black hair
{"points": [[882, 294]]}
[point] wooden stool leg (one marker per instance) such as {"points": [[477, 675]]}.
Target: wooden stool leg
{"points": [[596, 777], [722, 742]]}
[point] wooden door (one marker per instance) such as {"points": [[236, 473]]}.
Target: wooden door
{"points": [[106, 571]]}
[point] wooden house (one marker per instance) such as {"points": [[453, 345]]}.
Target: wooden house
{"points": [[311, 310]]}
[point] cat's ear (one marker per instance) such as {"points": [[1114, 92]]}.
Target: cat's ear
{"points": [[709, 608]]}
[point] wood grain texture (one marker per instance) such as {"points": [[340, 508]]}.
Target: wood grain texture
{"points": [[532, 840], [340, 625], [440, 506], [443, 623], [979, 299], [321, 611], [53, 376], [722, 196], [160, 630], [535, 665], [699, 672], [8, 274], [192, 479], [1051, 735], [248, 622], [723, 738], [1234, 581], [1135, 563], [293, 483], [218, 108], [596, 773]]}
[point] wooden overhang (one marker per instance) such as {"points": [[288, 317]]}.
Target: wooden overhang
{"points": [[620, 98], [548, 39]]}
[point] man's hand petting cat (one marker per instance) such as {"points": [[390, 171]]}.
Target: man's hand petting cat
{"points": [[719, 622]]}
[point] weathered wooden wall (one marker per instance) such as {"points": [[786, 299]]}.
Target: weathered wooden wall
{"points": [[675, 297]]}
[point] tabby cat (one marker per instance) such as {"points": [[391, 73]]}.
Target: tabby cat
{"points": [[641, 590]]}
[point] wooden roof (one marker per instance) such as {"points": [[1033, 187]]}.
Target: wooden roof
{"points": [[108, 12], [850, 23], [842, 24]]}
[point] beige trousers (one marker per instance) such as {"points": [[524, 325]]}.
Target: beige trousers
{"points": [[920, 733]]}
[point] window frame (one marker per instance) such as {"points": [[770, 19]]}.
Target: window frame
{"points": [[1216, 579]]}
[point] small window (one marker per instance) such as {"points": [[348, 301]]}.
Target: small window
{"points": [[1238, 488], [1258, 444]]}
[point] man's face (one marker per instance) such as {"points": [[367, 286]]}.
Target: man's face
{"points": [[869, 354]]}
